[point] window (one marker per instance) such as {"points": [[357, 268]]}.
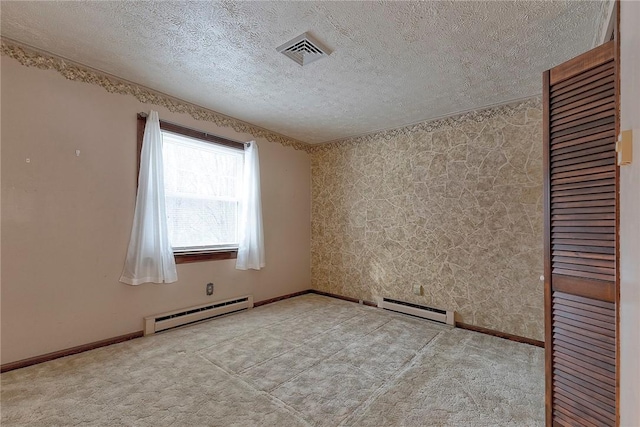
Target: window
{"points": [[202, 183], [202, 179]]}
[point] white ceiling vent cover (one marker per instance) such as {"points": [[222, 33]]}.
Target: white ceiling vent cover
{"points": [[304, 49]]}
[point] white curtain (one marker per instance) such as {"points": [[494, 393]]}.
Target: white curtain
{"points": [[150, 256], [251, 247]]}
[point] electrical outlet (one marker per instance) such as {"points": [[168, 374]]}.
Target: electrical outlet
{"points": [[417, 289], [209, 288]]}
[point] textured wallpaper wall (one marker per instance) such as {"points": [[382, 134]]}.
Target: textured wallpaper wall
{"points": [[454, 205]]}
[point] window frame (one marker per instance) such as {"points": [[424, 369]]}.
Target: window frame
{"points": [[185, 257]]}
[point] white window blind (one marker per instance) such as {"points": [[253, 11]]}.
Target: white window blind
{"points": [[203, 192]]}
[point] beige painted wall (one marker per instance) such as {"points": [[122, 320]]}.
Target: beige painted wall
{"points": [[66, 219], [630, 218], [454, 205]]}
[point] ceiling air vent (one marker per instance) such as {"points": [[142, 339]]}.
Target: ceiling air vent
{"points": [[304, 49]]}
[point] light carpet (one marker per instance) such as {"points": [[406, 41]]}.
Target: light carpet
{"points": [[305, 361]]}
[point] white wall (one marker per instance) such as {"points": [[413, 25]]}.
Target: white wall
{"points": [[630, 219], [66, 220]]}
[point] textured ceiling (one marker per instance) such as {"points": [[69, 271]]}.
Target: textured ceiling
{"points": [[393, 63]]}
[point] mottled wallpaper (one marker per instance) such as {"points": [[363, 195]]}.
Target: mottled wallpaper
{"points": [[454, 205]]}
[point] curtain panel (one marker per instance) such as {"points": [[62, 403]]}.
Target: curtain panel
{"points": [[251, 247], [150, 255]]}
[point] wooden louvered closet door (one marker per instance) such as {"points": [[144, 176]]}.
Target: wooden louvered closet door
{"points": [[581, 199]]}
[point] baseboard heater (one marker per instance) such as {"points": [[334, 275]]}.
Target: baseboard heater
{"points": [[172, 319], [435, 314]]}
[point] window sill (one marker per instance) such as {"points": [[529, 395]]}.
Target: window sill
{"points": [[189, 257]]}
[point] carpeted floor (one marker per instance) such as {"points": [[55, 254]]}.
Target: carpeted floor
{"points": [[305, 361]]}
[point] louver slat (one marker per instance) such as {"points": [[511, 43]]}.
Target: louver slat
{"points": [[585, 168], [582, 157], [581, 199], [581, 78], [597, 146]]}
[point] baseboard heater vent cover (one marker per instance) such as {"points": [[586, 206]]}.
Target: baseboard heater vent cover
{"points": [[172, 319], [435, 314]]}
